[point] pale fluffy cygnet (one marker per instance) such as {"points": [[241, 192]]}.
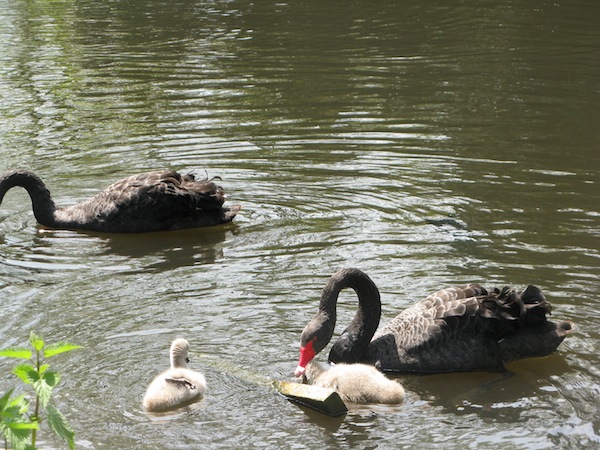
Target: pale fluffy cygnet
{"points": [[177, 386], [355, 383]]}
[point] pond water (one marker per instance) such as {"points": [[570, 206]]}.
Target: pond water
{"points": [[426, 143]]}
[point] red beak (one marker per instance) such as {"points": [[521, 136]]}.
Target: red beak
{"points": [[307, 353]]}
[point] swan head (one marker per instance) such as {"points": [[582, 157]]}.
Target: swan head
{"points": [[315, 336], [179, 353]]}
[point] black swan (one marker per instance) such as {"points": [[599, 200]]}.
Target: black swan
{"points": [[152, 201], [456, 329], [355, 383], [177, 386]]}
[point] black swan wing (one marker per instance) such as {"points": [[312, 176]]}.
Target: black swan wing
{"points": [[149, 202], [466, 328]]}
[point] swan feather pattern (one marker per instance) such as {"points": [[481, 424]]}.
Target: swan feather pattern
{"points": [[152, 201], [456, 329]]}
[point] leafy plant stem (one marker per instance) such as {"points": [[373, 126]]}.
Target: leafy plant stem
{"points": [[36, 411], [18, 425]]}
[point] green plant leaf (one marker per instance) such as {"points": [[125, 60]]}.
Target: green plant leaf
{"points": [[44, 391], [36, 341], [20, 403], [14, 425], [18, 437], [51, 378], [43, 368], [23, 426], [59, 425], [16, 422], [16, 352], [13, 409], [26, 373], [5, 399], [58, 348]]}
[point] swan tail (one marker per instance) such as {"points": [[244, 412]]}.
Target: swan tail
{"points": [[521, 323], [514, 310], [540, 340]]}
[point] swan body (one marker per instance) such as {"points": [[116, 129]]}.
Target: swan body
{"points": [[177, 386], [152, 201], [355, 383], [456, 329]]}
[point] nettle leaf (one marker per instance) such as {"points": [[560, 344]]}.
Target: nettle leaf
{"points": [[9, 413], [23, 426], [59, 425], [43, 368], [26, 373], [20, 403], [58, 348], [13, 424], [16, 352], [13, 409], [36, 341], [44, 391], [4, 400], [51, 378], [18, 437]]}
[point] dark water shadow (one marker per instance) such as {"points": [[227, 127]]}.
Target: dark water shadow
{"points": [[462, 391], [329, 423], [175, 248]]}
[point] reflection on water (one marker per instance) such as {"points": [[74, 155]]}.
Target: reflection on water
{"points": [[490, 391], [175, 249], [429, 145]]}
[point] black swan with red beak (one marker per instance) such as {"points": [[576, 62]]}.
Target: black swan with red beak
{"points": [[456, 329], [153, 201]]}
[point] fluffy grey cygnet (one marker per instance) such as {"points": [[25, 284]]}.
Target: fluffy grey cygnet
{"points": [[355, 383], [177, 386]]}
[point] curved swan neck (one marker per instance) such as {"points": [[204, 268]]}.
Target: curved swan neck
{"points": [[41, 201], [369, 300], [352, 344]]}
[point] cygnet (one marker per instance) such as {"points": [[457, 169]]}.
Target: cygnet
{"points": [[177, 386], [355, 383]]}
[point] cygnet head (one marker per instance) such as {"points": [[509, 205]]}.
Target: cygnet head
{"points": [[313, 370], [179, 353]]}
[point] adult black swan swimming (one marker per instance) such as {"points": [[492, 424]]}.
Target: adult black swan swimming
{"points": [[456, 329], [153, 201]]}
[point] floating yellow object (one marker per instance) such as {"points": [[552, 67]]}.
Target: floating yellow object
{"points": [[321, 399]]}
